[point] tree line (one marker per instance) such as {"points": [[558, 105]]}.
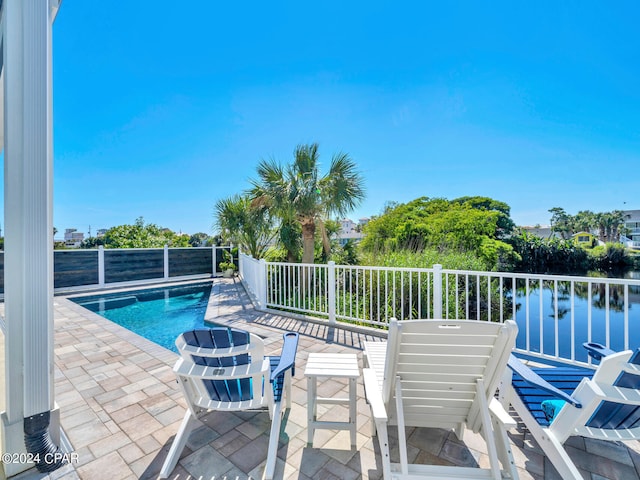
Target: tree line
{"points": [[609, 225], [141, 234], [285, 215]]}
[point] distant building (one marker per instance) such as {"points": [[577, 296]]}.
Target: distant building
{"points": [[349, 230], [632, 224], [584, 239], [73, 238], [542, 231], [101, 232]]}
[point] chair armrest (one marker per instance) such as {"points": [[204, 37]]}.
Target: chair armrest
{"points": [[287, 356], [373, 394], [596, 350], [501, 415], [533, 378]]}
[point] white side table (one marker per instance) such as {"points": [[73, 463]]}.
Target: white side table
{"points": [[335, 365]]}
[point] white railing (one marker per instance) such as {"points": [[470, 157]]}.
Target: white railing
{"points": [[555, 314]]}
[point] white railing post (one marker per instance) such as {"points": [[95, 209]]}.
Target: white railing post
{"points": [[331, 291], [101, 265], [166, 261], [262, 284], [214, 257], [437, 291]]}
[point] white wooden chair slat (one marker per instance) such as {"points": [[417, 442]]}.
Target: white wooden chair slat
{"points": [[429, 377]]}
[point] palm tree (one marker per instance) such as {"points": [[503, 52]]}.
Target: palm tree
{"points": [[299, 193], [245, 224]]}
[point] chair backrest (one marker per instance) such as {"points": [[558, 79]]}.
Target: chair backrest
{"points": [[439, 363], [620, 370], [224, 347]]}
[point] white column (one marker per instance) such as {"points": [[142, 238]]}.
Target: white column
{"points": [[28, 200]]}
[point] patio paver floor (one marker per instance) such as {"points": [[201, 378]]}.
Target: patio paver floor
{"points": [[121, 407]]}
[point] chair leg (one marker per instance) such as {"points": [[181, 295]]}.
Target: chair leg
{"points": [[274, 437], [504, 449], [287, 387], [553, 449], [180, 440], [383, 439]]}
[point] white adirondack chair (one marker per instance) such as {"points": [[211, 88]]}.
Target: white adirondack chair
{"points": [[441, 374], [555, 403], [225, 369]]}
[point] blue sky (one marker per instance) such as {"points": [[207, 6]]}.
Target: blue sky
{"points": [[162, 108]]}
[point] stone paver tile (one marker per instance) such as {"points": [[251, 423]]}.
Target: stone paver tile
{"points": [[108, 467], [124, 401], [230, 442], [109, 444], [339, 470], [126, 413], [140, 426], [250, 455], [148, 444], [600, 465], [428, 439], [78, 416], [130, 452], [614, 451], [206, 462], [170, 416], [87, 433], [309, 460], [157, 403], [201, 436]]}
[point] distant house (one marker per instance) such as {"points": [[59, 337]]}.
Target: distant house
{"points": [[632, 225], [542, 231], [584, 239], [73, 238], [349, 230]]}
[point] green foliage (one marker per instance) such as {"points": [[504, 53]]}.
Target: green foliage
{"points": [[92, 242], [609, 225], [347, 255], [141, 235], [611, 256], [242, 222], [201, 240], [302, 198], [424, 259], [548, 255], [499, 254], [475, 224]]}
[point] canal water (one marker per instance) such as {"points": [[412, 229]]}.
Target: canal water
{"points": [[575, 325]]}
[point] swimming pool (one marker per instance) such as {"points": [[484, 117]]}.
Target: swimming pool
{"points": [[158, 314]]}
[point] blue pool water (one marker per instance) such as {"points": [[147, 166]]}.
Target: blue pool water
{"points": [[159, 314]]}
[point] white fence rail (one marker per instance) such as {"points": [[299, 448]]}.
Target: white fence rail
{"points": [[555, 314]]}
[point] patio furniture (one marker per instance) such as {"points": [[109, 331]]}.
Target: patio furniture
{"points": [[225, 369], [442, 374], [333, 365], [557, 402]]}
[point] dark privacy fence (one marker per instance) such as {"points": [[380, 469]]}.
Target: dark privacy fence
{"points": [[77, 268]]}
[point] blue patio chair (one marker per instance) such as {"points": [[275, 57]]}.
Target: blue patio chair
{"points": [[225, 369], [556, 403]]}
